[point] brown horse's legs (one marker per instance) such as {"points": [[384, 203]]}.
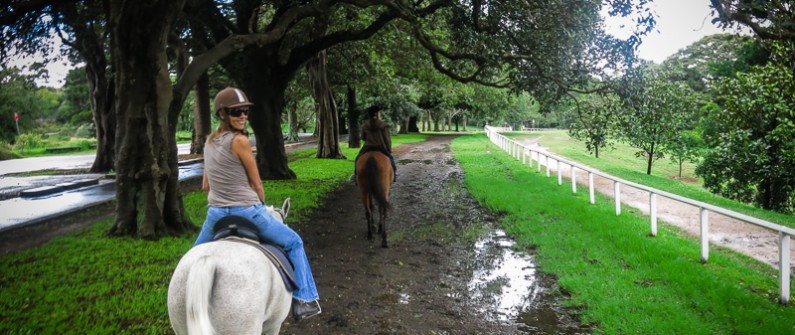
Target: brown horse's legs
{"points": [[382, 226], [368, 214]]}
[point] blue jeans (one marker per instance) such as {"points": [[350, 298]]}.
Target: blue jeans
{"points": [[271, 231]]}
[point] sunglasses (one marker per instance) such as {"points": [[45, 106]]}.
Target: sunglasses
{"points": [[237, 112]]}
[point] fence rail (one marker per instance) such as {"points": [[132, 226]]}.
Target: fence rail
{"points": [[520, 151]]}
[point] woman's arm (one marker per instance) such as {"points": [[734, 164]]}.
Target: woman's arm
{"points": [[241, 147], [205, 182]]}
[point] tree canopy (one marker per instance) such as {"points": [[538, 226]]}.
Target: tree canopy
{"points": [[144, 58]]}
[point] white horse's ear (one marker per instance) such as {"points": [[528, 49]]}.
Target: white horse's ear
{"points": [[286, 207]]}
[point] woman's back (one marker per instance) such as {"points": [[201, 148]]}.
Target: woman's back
{"points": [[226, 174]]}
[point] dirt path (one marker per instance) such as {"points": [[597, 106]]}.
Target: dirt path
{"points": [[754, 241], [426, 281]]}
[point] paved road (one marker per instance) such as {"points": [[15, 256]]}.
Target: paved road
{"points": [[21, 211]]}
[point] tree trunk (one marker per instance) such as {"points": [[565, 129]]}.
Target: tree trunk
{"points": [[413, 124], [404, 126], [90, 45], [147, 195], [341, 120], [267, 94], [292, 122], [354, 141], [102, 93], [328, 123], [266, 90], [265, 82], [651, 160], [202, 115]]}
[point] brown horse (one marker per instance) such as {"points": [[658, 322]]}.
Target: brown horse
{"points": [[374, 176]]}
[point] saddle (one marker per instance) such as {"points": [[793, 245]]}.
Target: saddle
{"points": [[238, 229]]}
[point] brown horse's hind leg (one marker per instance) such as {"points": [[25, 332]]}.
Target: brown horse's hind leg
{"points": [[368, 214], [382, 226]]}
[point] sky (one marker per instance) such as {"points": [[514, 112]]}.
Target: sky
{"points": [[679, 24]]}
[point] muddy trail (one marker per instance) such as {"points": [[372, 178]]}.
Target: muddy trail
{"points": [[448, 268]]}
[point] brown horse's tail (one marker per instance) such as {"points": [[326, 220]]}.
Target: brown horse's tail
{"points": [[375, 183]]}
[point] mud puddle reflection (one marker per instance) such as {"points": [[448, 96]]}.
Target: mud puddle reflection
{"points": [[506, 287]]}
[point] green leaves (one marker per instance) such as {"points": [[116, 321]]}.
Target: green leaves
{"points": [[754, 160]]}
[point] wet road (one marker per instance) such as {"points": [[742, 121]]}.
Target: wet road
{"points": [[18, 211]]}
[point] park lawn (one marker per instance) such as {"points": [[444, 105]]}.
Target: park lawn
{"points": [[85, 283], [611, 273], [621, 162]]}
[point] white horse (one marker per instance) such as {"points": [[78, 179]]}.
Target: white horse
{"points": [[225, 287]]}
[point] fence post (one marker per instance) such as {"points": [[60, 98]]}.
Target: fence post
{"points": [[617, 195], [653, 212], [560, 173], [573, 179], [539, 162], [523, 154], [546, 159], [519, 150], [590, 187], [784, 271], [704, 234], [530, 158]]}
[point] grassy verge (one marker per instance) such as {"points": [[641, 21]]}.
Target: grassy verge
{"points": [[621, 162], [85, 283], [613, 274]]}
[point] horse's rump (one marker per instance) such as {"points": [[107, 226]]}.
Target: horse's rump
{"points": [[375, 176], [244, 295]]}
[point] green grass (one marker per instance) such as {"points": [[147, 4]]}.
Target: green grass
{"points": [[612, 273], [40, 148], [85, 283], [621, 162]]}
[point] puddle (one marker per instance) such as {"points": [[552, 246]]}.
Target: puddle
{"points": [[506, 287], [506, 284]]}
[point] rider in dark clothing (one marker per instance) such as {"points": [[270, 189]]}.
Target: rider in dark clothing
{"points": [[375, 134]]}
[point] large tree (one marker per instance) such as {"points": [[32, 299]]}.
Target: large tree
{"points": [[147, 195], [595, 121], [543, 42], [82, 27], [754, 157], [544, 47], [654, 111]]}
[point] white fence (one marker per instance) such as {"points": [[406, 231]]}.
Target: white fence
{"points": [[519, 151]]}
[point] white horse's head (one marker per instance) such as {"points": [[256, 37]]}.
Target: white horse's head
{"points": [[280, 213]]}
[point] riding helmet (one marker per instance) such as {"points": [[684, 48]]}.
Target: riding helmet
{"points": [[230, 97]]}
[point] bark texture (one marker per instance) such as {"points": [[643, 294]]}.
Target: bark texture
{"points": [[202, 115], [90, 45], [148, 200], [328, 122]]}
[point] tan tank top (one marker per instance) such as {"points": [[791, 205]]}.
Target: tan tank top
{"points": [[226, 175]]}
